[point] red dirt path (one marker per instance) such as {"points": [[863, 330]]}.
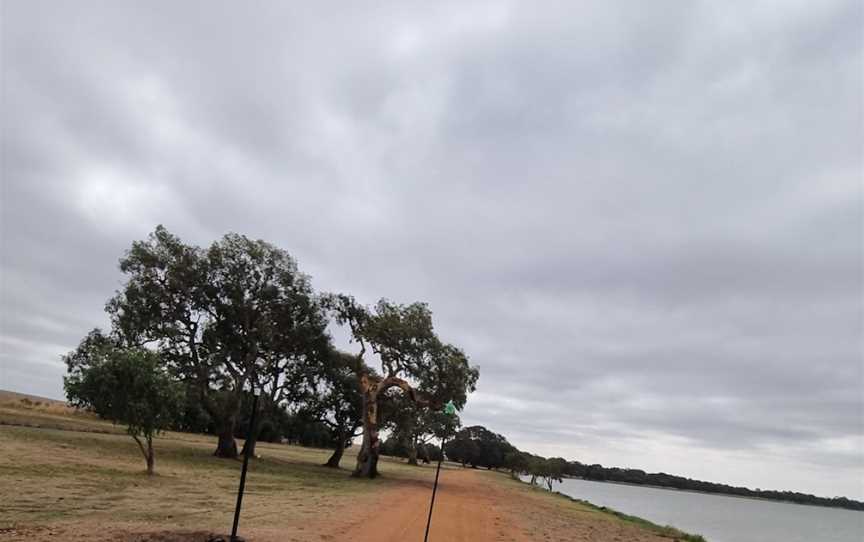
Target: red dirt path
{"points": [[476, 506]]}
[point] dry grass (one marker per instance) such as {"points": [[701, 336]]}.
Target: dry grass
{"points": [[32, 411], [66, 474], [68, 468]]}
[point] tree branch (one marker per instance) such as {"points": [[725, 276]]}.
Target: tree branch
{"points": [[393, 381]]}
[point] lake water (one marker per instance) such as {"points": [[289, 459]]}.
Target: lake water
{"points": [[723, 519]]}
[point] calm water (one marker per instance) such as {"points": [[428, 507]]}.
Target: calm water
{"points": [[723, 519]]}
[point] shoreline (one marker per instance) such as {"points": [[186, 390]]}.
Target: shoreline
{"points": [[714, 494], [662, 530]]}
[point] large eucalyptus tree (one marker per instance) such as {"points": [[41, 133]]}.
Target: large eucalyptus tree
{"points": [[234, 315], [412, 359]]}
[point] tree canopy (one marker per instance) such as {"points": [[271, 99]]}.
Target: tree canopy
{"points": [[479, 447], [412, 359], [239, 313]]}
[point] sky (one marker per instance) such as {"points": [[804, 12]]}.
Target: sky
{"points": [[643, 221]]}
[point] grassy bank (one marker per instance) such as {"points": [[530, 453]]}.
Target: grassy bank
{"points": [[666, 531]]}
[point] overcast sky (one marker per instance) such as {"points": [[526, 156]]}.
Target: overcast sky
{"points": [[642, 220]]}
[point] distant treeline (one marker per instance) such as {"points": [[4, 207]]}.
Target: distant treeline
{"points": [[661, 479], [479, 447]]}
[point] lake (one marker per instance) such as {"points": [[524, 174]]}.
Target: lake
{"points": [[720, 518]]}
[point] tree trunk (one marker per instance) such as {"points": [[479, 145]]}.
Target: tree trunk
{"points": [[367, 459], [250, 441], [412, 452], [227, 446], [334, 460], [223, 406], [150, 456]]}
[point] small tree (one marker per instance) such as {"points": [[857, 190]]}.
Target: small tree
{"points": [[124, 386], [549, 470], [553, 471], [517, 462]]}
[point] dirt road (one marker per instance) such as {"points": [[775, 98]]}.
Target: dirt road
{"points": [[468, 508], [477, 506]]}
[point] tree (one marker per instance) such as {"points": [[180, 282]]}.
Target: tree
{"points": [[553, 471], [237, 314], [549, 470], [412, 358], [462, 448], [393, 447], [124, 386], [517, 462], [306, 429], [269, 327], [336, 401], [487, 450], [414, 425]]}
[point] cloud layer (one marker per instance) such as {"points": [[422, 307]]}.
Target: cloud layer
{"points": [[644, 224]]}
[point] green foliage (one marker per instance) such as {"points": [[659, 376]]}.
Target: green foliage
{"points": [[548, 470], [661, 479], [401, 335], [413, 360], [306, 429], [127, 386], [394, 447], [413, 425], [212, 321], [517, 462], [403, 338], [237, 313], [479, 447], [333, 395]]}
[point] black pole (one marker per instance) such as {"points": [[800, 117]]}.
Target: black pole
{"points": [[434, 490], [246, 453]]}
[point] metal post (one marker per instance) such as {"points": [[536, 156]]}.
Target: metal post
{"points": [[250, 441], [434, 490]]}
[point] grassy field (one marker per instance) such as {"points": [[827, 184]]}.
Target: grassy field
{"points": [[70, 467], [65, 472]]}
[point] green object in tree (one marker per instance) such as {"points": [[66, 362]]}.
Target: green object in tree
{"points": [[450, 408]]}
